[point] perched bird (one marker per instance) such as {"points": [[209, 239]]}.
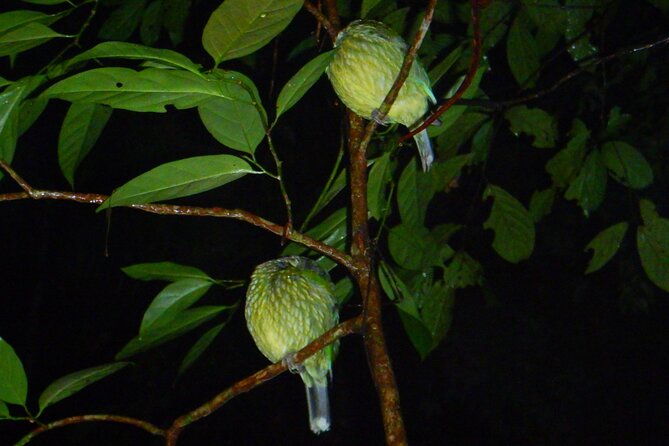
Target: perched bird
{"points": [[368, 57], [289, 303]]}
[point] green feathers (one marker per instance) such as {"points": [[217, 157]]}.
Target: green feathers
{"points": [[367, 60], [289, 303]]}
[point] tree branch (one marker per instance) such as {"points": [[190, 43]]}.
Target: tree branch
{"points": [[346, 328], [78, 419], [361, 250], [191, 211], [582, 69], [473, 68], [171, 435], [402, 75], [331, 29]]}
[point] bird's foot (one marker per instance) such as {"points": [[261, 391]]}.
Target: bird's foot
{"points": [[375, 117], [289, 362]]}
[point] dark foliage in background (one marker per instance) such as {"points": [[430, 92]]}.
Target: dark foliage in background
{"points": [[529, 348]]}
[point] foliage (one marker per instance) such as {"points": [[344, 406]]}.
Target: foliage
{"points": [[425, 259]]}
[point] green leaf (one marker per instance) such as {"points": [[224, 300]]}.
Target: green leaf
{"points": [[328, 195], [133, 51], [26, 37], [605, 245], [149, 90], [546, 14], [169, 271], [331, 231], [368, 5], [178, 179], [301, 82], [72, 383], [12, 20], [418, 333], [481, 143], [494, 19], [437, 312], [450, 116], [579, 13], [183, 323], [343, 290], [4, 410], [627, 165], [199, 347], [445, 172], [9, 117], [81, 128], [410, 316], [463, 271], [391, 284], [512, 223], [413, 248], [442, 67], [174, 18], [379, 176], [31, 110], [535, 122], [663, 5], [541, 203], [653, 244], [546, 41], [565, 165], [236, 120], [240, 27], [589, 186], [13, 380], [171, 301], [396, 19], [448, 143], [123, 21], [616, 123], [414, 192], [522, 54], [152, 22]]}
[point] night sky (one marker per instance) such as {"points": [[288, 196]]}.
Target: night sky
{"points": [[542, 355]]}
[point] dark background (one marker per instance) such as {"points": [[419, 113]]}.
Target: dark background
{"points": [[545, 356]]}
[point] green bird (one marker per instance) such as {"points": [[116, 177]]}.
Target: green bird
{"points": [[368, 57], [289, 303]]}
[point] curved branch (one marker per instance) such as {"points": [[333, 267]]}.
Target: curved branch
{"points": [[581, 69], [78, 419], [331, 29], [191, 211], [344, 329], [402, 75], [473, 68]]}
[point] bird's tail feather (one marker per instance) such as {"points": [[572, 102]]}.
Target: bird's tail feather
{"points": [[424, 149], [319, 407]]}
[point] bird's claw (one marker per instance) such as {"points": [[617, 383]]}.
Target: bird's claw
{"points": [[375, 117], [289, 362]]}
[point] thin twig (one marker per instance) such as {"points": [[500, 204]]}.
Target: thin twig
{"points": [[78, 419], [473, 68], [402, 76], [346, 328], [333, 14], [322, 19], [282, 185], [581, 69], [191, 211]]}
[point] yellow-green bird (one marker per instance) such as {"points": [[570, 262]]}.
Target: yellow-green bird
{"points": [[368, 57], [289, 303]]}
